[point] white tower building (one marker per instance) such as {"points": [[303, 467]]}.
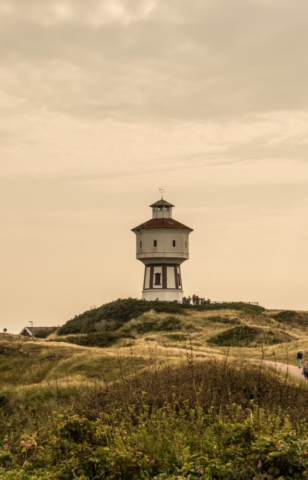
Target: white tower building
{"points": [[162, 245]]}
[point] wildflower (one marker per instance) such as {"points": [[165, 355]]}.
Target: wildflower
{"points": [[6, 445], [151, 460], [259, 463], [201, 470], [28, 444]]}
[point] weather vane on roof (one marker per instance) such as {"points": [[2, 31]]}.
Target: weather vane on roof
{"points": [[162, 191]]}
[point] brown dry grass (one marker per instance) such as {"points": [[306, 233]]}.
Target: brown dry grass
{"points": [[31, 362]]}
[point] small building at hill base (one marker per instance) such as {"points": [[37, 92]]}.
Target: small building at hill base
{"points": [[37, 332]]}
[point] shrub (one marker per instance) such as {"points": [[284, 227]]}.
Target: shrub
{"points": [[221, 320], [153, 324], [209, 420], [97, 339], [291, 317], [120, 311], [241, 306], [212, 384], [245, 336]]}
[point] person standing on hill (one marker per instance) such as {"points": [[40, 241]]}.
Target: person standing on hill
{"points": [[299, 357]]}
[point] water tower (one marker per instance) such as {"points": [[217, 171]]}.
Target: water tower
{"points": [[162, 244]]}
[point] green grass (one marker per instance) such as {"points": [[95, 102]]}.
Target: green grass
{"points": [[118, 312], [246, 336], [95, 339], [152, 323], [155, 397], [214, 420], [122, 310]]}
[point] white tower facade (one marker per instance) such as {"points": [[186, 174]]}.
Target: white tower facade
{"points": [[162, 244]]}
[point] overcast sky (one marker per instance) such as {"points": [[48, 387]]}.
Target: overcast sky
{"points": [[103, 102]]}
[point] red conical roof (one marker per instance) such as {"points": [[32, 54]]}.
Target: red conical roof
{"points": [[162, 223]]}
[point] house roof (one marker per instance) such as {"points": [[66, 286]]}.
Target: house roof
{"points": [[162, 223], [35, 330], [161, 203]]}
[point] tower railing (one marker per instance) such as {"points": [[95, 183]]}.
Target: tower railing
{"points": [[196, 300]]}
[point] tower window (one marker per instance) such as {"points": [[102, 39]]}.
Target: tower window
{"points": [[140, 244], [157, 278], [185, 244], [173, 243], [155, 243]]}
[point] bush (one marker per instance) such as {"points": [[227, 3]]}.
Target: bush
{"points": [[96, 339], [120, 311], [221, 320], [291, 317], [241, 306], [153, 324], [245, 336], [176, 441], [207, 420]]}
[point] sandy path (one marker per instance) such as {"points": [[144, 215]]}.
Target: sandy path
{"points": [[291, 369]]}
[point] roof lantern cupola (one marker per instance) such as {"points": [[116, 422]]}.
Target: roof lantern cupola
{"points": [[161, 209]]}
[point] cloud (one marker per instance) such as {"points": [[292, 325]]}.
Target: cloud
{"points": [[54, 144], [92, 12], [156, 61], [102, 102]]}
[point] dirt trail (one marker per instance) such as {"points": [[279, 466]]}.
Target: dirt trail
{"points": [[284, 368]]}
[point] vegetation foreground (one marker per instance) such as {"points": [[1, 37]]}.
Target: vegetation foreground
{"points": [[206, 415]]}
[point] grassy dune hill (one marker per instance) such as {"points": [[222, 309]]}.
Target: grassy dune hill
{"points": [[156, 390], [207, 329], [110, 342]]}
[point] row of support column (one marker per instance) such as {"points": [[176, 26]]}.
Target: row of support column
{"points": [[162, 276]]}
